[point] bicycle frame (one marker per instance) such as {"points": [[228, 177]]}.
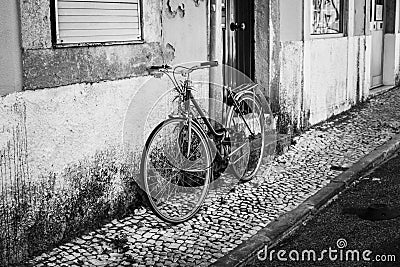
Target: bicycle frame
{"points": [[185, 91], [189, 98]]}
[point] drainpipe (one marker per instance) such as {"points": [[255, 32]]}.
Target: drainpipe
{"points": [[215, 91]]}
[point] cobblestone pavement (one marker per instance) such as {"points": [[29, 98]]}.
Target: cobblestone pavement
{"points": [[229, 219]]}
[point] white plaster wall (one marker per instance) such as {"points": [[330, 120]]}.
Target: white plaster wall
{"points": [[69, 123], [151, 22], [187, 34], [291, 17], [391, 58], [291, 80], [334, 71], [322, 77], [10, 48], [397, 59], [328, 90], [368, 57], [357, 73]]}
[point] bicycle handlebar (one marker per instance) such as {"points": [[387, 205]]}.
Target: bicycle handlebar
{"points": [[209, 64], [202, 65], [159, 67]]}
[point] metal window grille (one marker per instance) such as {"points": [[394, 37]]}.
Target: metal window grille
{"points": [[327, 17]]}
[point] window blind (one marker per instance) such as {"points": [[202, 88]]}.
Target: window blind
{"points": [[97, 21]]}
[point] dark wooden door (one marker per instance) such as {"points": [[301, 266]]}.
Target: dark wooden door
{"points": [[238, 30]]}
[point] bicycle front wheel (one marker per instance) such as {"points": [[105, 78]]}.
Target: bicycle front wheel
{"points": [[176, 169], [247, 126]]}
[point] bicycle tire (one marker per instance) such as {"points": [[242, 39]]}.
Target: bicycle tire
{"points": [[182, 179], [255, 158]]}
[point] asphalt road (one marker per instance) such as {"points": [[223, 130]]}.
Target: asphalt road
{"points": [[347, 233]]}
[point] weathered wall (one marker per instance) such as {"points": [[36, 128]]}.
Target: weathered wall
{"points": [[10, 52], [329, 91], [86, 115], [274, 50], [391, 57], [291, 81], [45, 66], [267, 48], [323, 76], [261, 53], [185, 29], [291, 86], [67, 123], [71, 122], [335, 79]]}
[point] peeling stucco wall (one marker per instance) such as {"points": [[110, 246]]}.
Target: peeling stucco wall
{"points": [[175, 7], [45, 66], [335, 80], [167, 38], [291, 86], [88, 89], [186, 33], [320, 76], [328, 78], [261, 53], [274, 50], [267, 47], [86, 108], [71, 122], [35, 24]]}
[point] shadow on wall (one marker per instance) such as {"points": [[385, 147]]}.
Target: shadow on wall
{"points": [[34, 216]]}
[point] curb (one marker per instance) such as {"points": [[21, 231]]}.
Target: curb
{"points": [[288, 222]]}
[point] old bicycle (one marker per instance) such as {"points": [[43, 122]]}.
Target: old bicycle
{"points": [[189, 150]]}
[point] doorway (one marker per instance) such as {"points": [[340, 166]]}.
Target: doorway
{"points": [[238, 38], [377, 49]]}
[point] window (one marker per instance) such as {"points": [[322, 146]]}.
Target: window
{"points": [[327, 17], [97, 21], [377, 10]]}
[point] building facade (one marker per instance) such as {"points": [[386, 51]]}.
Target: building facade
{"points": [[332, 53], [72, 76]]}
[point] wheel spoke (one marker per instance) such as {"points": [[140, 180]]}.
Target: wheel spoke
{"points": [[248, 147], [176, 182]]}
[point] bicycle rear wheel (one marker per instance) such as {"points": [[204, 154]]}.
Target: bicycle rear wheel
{"points": [[176, 169], [248, 149]]}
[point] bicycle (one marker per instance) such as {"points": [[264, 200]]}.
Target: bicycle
{"points": [[184, 153]]}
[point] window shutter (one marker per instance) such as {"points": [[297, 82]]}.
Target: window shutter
{"points": [[96, 21]]}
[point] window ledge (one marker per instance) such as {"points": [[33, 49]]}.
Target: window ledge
{"points": [[326, 36], [66, 45]]}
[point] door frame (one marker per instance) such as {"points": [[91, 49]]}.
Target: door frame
{"points": [[373, 24]]}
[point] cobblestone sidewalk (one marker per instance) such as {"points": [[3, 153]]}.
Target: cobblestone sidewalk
{"points": [[223, 223]]}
